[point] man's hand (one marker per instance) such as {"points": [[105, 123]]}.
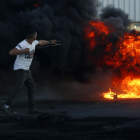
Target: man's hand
{"points": [[26, 50], [53, 41]]}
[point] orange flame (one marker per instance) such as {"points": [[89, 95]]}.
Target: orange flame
{"points": [[99, 29], [124, 62], [109, 95]]}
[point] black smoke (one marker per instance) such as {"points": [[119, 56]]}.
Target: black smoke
{"points": [[60, 19], [111, 11]]}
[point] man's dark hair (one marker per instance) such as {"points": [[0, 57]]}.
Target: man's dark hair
{"points": [[30, 33]]}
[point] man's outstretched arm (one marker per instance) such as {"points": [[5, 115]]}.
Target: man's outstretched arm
{"points": [[45, 42]]}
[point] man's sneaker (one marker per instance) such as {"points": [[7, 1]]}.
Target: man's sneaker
{"points": [[6, 110], [33, 111]]}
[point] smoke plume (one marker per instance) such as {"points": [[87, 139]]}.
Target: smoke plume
{"points": [[111, 11], [58, 19]]}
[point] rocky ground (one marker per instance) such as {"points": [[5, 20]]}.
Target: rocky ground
{"points": [[99, 120]]}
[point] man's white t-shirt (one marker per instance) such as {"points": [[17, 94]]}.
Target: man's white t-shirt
{"points": [[24, 60]]}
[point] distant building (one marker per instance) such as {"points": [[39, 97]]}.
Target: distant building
{"points": [[131, 7]]}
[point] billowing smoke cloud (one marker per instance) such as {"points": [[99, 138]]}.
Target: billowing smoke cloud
{"points": [[111, 11], [58, 19]]}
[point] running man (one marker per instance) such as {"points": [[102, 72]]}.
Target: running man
{"points": [[25, 51]]}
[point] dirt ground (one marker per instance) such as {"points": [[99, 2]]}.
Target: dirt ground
{"points": [[98, 120]]}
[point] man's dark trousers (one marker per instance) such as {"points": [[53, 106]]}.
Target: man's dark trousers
{"points": [[23, 77]]}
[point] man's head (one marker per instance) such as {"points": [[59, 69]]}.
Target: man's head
{"points": [[31, 34]]}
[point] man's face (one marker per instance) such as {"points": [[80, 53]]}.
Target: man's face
{"points": [[35, 36]]}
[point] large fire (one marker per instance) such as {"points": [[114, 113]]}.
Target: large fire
{"points": [[121, 56]]}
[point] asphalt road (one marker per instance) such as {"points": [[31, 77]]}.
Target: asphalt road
{"points": [[100, 119]]}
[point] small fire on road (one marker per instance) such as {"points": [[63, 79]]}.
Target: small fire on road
{"points": [[130, 89]]}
